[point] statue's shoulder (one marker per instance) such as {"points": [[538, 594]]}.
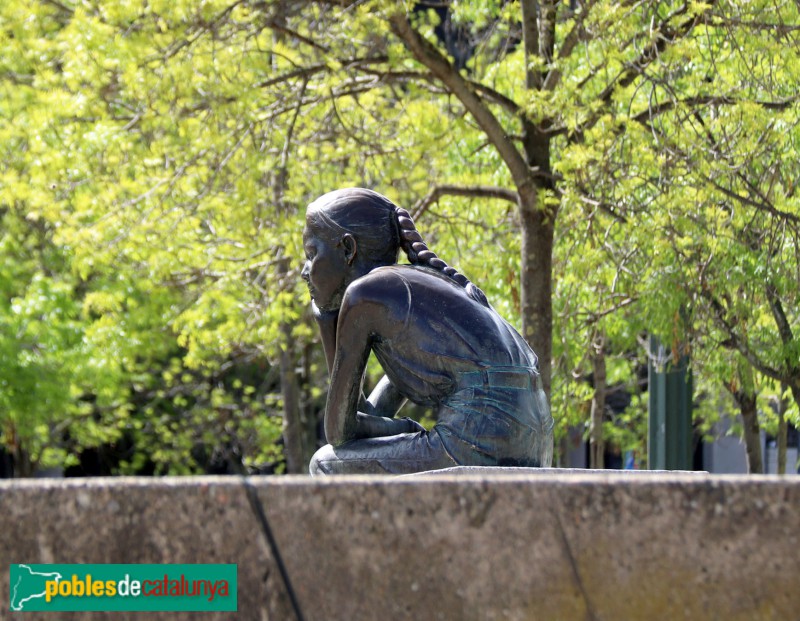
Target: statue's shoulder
{"points": [[391, 277], [393, 283], [383, 285]]}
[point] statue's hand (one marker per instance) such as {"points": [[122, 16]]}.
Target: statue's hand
{"points": [[326, 316], [378, 426], [414, 426], [326, 320]]}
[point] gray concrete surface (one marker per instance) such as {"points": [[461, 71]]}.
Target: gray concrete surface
{"points": [[471, 546]]}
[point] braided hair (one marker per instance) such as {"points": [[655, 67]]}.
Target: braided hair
{"points": [[381, 229], [418, 253]]}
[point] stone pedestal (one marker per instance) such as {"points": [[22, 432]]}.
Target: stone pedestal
{"points": [[455, 546]]}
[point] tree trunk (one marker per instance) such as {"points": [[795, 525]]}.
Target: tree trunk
{"points": [[310, 418], [538, 231], [530, 171], [537, 283], [752, 432], [795, 386], [792, 368], [537, 217], [299, 417], [23, 465], [293, 437], [795, 390], [562, 459], [295, 441], [596, 443], [742, 388], [20, 465], [746, 401], [783, 431]]}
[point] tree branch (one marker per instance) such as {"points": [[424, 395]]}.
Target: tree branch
{"points": [[199, 31], [787, 337], [602, 205], [784, 215], [496, 97], [307, 72], [491, 94], [296, 35], [664, 37], [19, 79], [785, 331], [282, 175], [780, 29], [547, 33], [61, 7], [427, 54], [274, 111], [700, 100], [735, 342], [762, 204], [530, 38], [592, 317], [479, 191], [574, 36]]}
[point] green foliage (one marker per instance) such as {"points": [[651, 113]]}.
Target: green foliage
{"points": [[156, 159], [682, 195]]}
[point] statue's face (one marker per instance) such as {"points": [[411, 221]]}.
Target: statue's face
{"points": [[326, 269]]}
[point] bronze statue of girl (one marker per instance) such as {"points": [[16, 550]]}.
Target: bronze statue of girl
{"points": [[439, 341]]}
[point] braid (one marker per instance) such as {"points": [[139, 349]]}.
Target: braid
{"points": [[419, 254]]}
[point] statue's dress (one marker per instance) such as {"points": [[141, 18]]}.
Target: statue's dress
{"points": [[466, 362]]}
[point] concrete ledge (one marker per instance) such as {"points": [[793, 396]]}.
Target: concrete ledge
{"points": [[502, 470], [464, 547]]}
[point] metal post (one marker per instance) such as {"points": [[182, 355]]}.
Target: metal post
{"points": [[670, 410]]}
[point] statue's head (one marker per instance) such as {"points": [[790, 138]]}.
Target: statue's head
{"points": [[348, 233]]}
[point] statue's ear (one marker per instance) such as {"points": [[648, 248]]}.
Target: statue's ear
{"points": [[350, 248]]}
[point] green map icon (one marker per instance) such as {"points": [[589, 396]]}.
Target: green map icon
{"points": [[27, 584]]}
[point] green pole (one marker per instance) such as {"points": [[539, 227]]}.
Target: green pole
{"points": [[669, 444]]}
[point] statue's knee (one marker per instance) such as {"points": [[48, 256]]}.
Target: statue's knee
{"points": [[320, 462]]}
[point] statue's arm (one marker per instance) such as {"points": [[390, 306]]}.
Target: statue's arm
{"points": [[354, 334], [381, 407], [385, 399], [326, 321], [364, 315]]}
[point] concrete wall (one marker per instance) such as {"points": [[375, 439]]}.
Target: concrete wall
{"points": [[474, 546]]}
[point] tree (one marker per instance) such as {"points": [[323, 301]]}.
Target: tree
{"points": [[168, 150], [723, 275], [101, 156], [743, 391], [172, 148], [586, 70]]}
